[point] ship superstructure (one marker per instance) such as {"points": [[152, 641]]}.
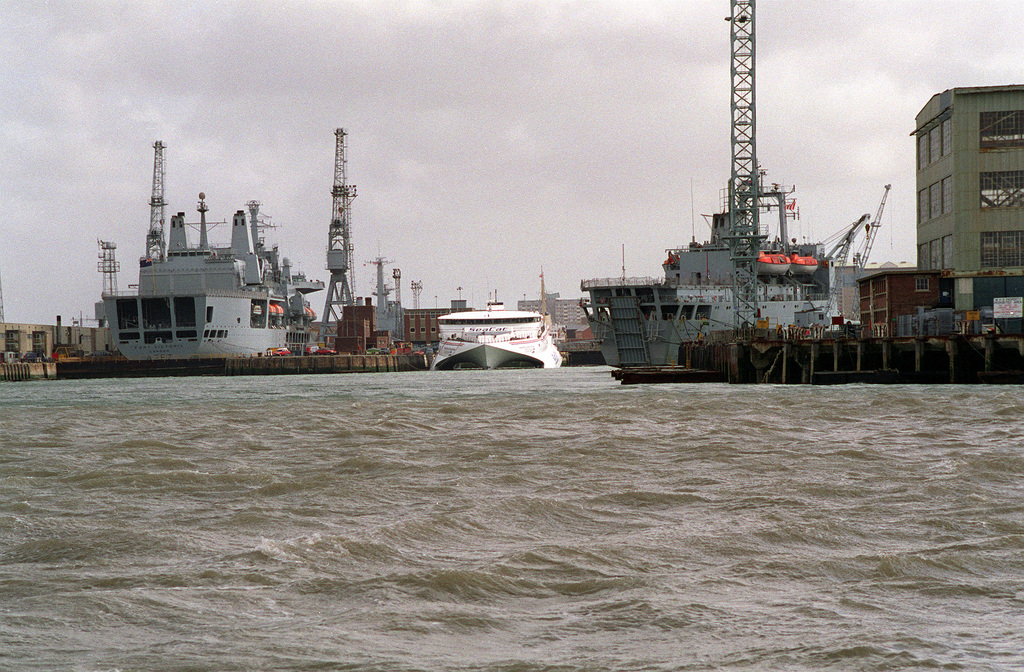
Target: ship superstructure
{"points": [[205, 299], [644, 321]]}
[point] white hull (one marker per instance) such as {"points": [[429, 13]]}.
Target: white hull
{"points": [[538, 353]]}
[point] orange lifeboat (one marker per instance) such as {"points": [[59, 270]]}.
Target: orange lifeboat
{"points": [[772, 263], [802, 265]]}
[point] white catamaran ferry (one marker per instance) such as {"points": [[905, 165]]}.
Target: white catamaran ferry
{"points": [[495, 338]]}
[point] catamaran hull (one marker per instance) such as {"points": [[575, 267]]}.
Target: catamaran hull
{"points": [[540, 354]]}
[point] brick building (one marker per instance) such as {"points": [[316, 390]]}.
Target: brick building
{"points": [[887, 295]]}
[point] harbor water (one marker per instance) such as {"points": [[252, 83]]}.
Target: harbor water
{"points": [[508, 521]]}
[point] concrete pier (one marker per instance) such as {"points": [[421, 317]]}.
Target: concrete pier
{"points": [[19, 371], [823, 360]]}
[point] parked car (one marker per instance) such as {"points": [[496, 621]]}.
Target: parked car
{"points": [[280, 352]]}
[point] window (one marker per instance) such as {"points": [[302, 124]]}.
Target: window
{"points": [[921, 284], [947, 251], [1002, 129], [947, 137], [936, 254], [935, 142], [947, 194], [1003, 189], [1001, 249], [922, 206], [922, 257], [935, 192], [922, 151]]}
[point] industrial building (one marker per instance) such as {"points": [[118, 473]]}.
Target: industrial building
{"points": [[566, 312], [970, 191]]}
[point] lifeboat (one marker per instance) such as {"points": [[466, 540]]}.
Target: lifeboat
{"points": [[802, 265], [772, 263]]}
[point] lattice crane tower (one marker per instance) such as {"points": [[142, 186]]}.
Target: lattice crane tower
{"points": [[156, 245], [744, 229], [339, 245]]}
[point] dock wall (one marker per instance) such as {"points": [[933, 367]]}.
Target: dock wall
{"points": [[238, 366]]}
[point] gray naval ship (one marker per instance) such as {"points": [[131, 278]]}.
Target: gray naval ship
{"points": [[645, 321], [204, 299]]}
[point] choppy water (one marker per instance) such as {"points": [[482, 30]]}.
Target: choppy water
{"points": [[532, 520]]}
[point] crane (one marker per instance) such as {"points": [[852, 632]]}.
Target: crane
{"points": [[860, 259], [744, 237], [339, 245], [840, 252]]}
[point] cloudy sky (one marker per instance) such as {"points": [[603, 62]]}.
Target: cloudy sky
{"points": [[487, 139]]}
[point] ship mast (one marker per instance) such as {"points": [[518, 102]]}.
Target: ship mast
{"points": [[156, 246], [339, 246], [745, 236]]}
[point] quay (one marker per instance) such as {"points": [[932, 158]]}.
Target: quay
{"points": [[949, 359], [118, 367]]}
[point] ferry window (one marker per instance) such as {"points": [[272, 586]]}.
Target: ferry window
{"points": [[191, 333], [129, 335], [209, 313]]}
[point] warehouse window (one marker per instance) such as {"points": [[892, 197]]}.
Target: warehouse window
{"points": [[947, 137], [922, 206], [1004, 189], [1002, 249], [947, 194], [1002, 129], [921, 284]]}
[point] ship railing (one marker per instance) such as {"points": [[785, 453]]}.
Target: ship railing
{"points": [[620, 282]]}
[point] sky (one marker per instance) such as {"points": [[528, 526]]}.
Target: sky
{"points": [[488, 140]]}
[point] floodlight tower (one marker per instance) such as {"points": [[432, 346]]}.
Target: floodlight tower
{"points": [[744, 229], [108, 266], [417, 289], [339, 245], [156, 245]]}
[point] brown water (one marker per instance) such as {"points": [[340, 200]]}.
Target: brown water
{"points": [[533, 520]]}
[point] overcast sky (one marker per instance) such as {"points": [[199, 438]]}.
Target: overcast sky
{"points": [[487, 139]]}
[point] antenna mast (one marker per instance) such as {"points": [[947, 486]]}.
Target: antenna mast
{"points": [[339, 245], [744, 229], [156, 245]]}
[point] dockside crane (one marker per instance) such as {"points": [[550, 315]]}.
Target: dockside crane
{"points": [[860, 259], [839, 254], [339, 245], [744, 237]]}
